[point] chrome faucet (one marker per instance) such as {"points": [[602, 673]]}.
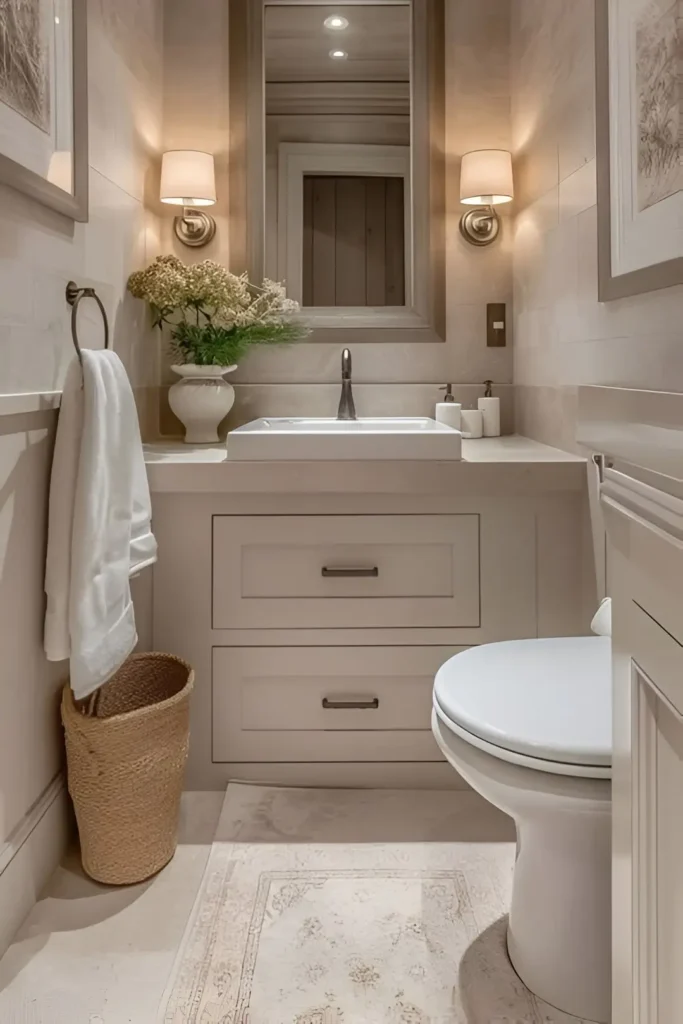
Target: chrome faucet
{"points": [[347, 408]]}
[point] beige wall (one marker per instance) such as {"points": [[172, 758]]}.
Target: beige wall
{"points": [[563, 336], [478, 115], [196, 104], [39, 252]]}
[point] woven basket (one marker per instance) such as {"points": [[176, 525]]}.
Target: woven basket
{"points": [[126, 755]]}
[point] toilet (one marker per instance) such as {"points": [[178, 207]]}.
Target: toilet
{"points": [[528, 724]]}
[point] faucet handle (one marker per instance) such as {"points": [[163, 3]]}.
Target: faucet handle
{"points": [[346, 363]]}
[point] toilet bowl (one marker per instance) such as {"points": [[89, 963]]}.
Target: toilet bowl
{"points": [[528, 724]]}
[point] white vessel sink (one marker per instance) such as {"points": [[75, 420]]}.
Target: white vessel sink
{"points": [[362, 439]]}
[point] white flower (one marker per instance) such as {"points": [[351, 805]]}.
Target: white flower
{"points": [[209, 284], [206, 297], [163, 284]]}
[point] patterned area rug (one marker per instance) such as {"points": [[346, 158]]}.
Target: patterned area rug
{"points": [[340, 907]]}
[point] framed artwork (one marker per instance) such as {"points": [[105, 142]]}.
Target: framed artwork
{"points": [[44, 102], [639, 61]]}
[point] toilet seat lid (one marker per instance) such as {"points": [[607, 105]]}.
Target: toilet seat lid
{"points": [[549, 699]]}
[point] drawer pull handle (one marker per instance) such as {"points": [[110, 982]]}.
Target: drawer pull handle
{"points": [[371, 572], [360, 705]]}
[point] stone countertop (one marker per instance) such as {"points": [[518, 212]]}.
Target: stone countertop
{"points": [[489, 465], [513, 448]]}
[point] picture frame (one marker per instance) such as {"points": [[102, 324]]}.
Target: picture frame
{"points": [[44, 103], [639, 177]]}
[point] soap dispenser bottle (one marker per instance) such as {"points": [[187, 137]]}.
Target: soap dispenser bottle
{"points": [[490, 411], [449, 411]]}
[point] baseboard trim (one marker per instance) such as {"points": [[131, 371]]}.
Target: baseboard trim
{"points": [[30, 855], [29, 822]]}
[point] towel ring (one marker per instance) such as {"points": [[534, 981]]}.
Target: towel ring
{"points": [[74, 294]]}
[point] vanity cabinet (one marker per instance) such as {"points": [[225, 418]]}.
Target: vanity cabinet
{"points": [[645, 530], [316, 603], [640, 437]]}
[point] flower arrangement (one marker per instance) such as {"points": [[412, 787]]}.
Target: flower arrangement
{"points": [[215, 316]]}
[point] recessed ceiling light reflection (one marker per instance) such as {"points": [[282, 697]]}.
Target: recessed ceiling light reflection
{"points": [[336, 22], [338, 54]]}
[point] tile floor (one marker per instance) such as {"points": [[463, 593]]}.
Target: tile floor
{"points": [[90, 954]]}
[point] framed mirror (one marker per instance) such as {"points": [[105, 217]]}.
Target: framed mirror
{"points": [[337, 164]]}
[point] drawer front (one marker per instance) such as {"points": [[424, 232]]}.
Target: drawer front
{"points": [[292, 572], [293, 704]]}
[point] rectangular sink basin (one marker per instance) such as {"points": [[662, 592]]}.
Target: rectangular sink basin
{"points": [[404, 437]]}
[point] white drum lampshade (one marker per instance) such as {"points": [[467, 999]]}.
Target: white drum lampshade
{"points": [[486, 178], [187, 178]]}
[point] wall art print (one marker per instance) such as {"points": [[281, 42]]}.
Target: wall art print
{"points": [[43, 102], [639, 60]]}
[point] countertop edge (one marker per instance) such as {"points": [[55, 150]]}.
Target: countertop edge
{"points": [[174, 469]]}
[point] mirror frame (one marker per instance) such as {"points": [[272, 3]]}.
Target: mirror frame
{"points": [[425, 319]]}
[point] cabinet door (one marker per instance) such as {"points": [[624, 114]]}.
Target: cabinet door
{"points": [[648, 822]]}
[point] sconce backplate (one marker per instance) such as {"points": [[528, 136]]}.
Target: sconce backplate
{"points": [[194, 228], [480, 226]]}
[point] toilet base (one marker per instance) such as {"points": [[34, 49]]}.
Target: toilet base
{"points": [[559, 932]]}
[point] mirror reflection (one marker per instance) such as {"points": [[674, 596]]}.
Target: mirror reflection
{"points": [[338, 195]]}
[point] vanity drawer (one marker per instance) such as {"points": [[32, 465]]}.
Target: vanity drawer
{"points": [[292, 572], [292, 704]]}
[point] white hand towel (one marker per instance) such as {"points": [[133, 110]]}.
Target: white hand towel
{"points": [[99, 530]]}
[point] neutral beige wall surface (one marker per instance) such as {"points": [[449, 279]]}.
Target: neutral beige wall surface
{"points": [[39, 252], [29, 738], [196, 104], [563, 336], [478, 116]]}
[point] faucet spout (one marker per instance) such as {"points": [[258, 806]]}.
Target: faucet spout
{"points": [[347, 407]]}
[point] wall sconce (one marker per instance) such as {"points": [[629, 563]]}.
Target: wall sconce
{"points": [[485, 181], [188, 180]]}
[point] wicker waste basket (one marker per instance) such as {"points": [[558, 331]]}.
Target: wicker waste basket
{"points": [[126, 758]]}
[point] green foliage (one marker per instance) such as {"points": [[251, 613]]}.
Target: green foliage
{"points": [[210, 345]]}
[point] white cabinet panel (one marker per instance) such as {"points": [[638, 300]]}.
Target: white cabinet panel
{"points": [[345, 571], [657, 849], [658, 820], [648, 826], [669, 847], [639, 434], [324, 704], [660, 655]]}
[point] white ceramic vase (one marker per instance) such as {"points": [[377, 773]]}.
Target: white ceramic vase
{"points": [[201, 400]]}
